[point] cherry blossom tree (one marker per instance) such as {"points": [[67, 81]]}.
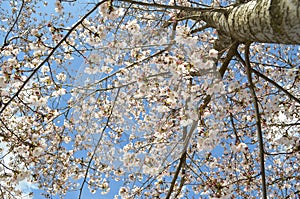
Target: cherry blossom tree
{"points": [[174, 99]]}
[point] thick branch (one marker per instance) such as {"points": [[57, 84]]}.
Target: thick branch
{"points": [[174, 7], [265, 21]]}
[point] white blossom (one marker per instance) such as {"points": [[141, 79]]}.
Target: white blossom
{"points": [[61, 77], [59, 92], [213, 53]]}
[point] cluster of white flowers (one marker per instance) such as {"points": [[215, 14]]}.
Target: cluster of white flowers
{"points": [[61, 77], [183, 37], [109, 12], [133, 27], [141, 90], [59, 92], [37, 101]]}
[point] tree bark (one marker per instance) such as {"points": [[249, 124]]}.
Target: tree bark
{"points": [[265, 21]]}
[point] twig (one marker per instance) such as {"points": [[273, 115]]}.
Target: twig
{"points": [[199, 29]]}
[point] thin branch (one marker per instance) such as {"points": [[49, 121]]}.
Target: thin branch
{"points": [[142, 60], [237, 138], [50, 54], [5, 43], [198, 4], [97, 145], [189, 136], [181, 163], [5, 136], [286, 124], [291, 96], [258, 120], [280, 153], [222, 70], [122, 19]]}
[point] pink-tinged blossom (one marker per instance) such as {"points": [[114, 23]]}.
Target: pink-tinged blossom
{"points": [[133, 27], [123, 192], [67, 139], [109, 12], [2, 81], [162, 109]]}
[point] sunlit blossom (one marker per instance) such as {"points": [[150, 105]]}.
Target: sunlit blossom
{"points": [[59, 92]]}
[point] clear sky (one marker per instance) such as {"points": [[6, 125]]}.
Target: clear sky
{"points": [[76, 63]]}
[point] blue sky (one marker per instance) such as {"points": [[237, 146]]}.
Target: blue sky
{"points": [[76, 10], [77, 63]]}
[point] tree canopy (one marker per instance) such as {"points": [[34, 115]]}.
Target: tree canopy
{"points": [[170, 99]]}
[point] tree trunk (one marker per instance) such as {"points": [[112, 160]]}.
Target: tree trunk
{"points": [[266, 21]]}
